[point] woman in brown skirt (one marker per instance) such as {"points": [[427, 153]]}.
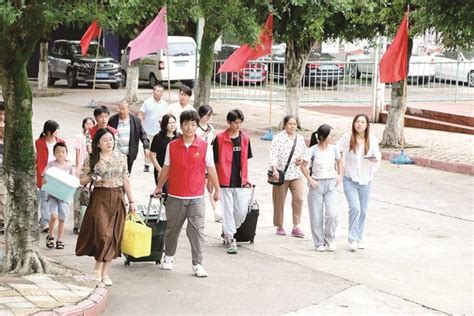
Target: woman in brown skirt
{"points": [[104, 220]]}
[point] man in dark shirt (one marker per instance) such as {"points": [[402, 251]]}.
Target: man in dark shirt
{"points": [[231, 153]]}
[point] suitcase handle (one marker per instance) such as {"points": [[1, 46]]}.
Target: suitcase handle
{"points": [[251, 196], [152, 196]]}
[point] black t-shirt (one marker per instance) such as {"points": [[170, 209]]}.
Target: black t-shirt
{"points": [[235, 178], [158, 146]]}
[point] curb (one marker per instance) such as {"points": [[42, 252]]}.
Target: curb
{"points": [[93, 305], [388, 155]]}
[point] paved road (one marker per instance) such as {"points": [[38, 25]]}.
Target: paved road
{"points": [[418, 258]]}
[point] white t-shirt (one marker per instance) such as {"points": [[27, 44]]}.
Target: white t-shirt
{"points": [[357, 168], [153, 112], [176, 109], [51, 151], [123, 139], [324, 163]]}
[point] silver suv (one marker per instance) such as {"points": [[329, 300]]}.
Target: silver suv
{"points": [[65, 61]]}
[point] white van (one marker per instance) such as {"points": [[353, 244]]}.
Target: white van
{"points": [[180, 57]]}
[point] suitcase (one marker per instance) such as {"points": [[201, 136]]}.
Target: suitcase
{"points": [[156, 220], [246, 231]]}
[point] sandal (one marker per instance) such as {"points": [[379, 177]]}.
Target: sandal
{"points": [[50, 242], [59, 245]]}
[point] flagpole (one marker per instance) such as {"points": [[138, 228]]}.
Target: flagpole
{"points": [[271, 94], [405, 85], [92, 104], [169, 80]]}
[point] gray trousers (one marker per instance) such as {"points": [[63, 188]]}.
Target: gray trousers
{"points": [[323, 223], [177, 211]]}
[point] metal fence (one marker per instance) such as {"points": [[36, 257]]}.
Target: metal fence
{"points": [[345, 81]]}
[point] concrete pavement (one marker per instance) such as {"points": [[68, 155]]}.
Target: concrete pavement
{"points": [[419, 243]]}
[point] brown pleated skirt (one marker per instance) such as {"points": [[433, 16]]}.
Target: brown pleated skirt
{"points": [[102, 227]]}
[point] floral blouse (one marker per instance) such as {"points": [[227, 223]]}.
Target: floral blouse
{"points": [[112, 171], [280, 151]]}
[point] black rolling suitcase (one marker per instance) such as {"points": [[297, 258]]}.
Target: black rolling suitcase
{"points": [[246, 231], [156, 220]]}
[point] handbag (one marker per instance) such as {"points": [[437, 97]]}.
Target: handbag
{"points": [[136, 240], [84, 195], [281, 174]]}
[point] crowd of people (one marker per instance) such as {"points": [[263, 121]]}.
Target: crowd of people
{"points": [[190, 162]]}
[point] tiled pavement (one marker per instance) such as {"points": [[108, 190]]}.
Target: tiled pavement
{"points": [[42, 294]]}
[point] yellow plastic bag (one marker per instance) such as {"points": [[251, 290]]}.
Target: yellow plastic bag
{"points": [[136, 240]]}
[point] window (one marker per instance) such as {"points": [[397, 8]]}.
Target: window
{"points": [[180, 49]]}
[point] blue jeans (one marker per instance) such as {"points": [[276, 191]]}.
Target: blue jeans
{"points": [[323, 222], [357, 196], [43, 207]]}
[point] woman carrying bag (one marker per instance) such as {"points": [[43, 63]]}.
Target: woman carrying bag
{"points": [[102, 228], [286, 154]]}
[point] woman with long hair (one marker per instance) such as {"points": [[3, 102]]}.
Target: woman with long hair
{"points": [[205, 131], [324, 175], [160, 141], [361, 154], [44, 153], [286, 154], [102, 228]]}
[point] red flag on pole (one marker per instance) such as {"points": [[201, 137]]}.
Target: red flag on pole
{"points": [[244, 53], [393, 65], [92, 32]]}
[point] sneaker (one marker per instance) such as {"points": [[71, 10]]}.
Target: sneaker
{"points": [[297, 232], [146, 169], [330, 246], [232, 247], [353, 246], [107, 281], [280, 231], [167, 263], [199, 271], [321, 248], [360, 245], [44, 227]]}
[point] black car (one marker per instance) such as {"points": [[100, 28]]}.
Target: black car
{"points": [[65, 61]]}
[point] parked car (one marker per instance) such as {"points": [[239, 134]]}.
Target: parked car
{"points": [[421, 68], [254, 72], [65, 61], [455, 66], [320, 68], [180, 57]]}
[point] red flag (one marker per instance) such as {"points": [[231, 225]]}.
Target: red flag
{"points": [[244, 53], [393, 65], [92, 32]]}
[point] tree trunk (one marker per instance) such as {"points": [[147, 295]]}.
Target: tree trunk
{"points": [[295, 61], [131, 86], [43, 67], [21, 223], [202, 88], [393, 133]]}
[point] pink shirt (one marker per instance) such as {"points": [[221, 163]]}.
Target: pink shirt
{"points": [[80, 144], [65, 166]]}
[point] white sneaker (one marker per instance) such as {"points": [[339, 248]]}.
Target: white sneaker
{"points": [[353, 246], [167, 263], [321, 248], [331, 247], [199, 271], [360, 245]]}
